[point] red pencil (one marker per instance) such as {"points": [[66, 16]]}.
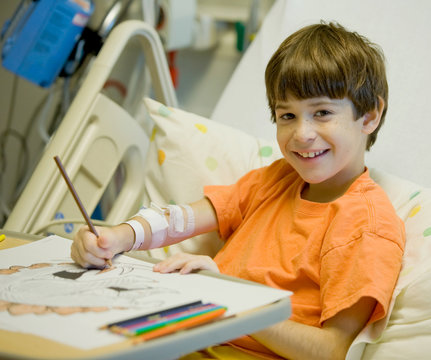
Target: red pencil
{"points": [[185, 324]]}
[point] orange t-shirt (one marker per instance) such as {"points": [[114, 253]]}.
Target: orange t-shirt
{"points": [[328, 254]]}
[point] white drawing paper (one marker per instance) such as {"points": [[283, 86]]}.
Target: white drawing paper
{"points": [[43, 292]]}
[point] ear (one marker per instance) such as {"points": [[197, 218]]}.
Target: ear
{"points": [[371, 119]]}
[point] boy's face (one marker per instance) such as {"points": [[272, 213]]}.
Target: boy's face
{"points": [[321, 139]]}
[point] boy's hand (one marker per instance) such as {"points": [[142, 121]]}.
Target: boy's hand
{"points": [[186, 263], [91, 251]]}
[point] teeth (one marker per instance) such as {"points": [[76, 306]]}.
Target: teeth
{"points": [[311, 154]]}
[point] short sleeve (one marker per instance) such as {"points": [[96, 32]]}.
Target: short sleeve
{"points": [[366, 266], [231, 202]]}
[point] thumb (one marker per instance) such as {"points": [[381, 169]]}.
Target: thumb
{"points": [[109, 241], [103, 242]]}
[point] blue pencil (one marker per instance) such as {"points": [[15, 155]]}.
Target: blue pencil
{"points": [[177, 320], [154, 315], [171, 318], [150, 326]]}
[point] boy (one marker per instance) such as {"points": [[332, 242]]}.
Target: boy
{"points": [[313, 222]]}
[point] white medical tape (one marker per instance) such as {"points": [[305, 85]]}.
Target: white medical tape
{"points": [[139, 233], [177, 225], [158, 224]]}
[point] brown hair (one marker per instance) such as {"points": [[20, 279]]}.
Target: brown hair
{"points": [[327, 60]]}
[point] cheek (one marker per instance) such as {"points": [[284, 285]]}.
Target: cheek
{"points": [[279, 137], [282, 141], [282, 135]]}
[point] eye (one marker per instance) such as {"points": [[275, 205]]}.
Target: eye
{"points": [[322, 113], [286, 116]]}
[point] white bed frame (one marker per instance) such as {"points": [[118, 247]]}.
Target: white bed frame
{"points": [[93, 139]]}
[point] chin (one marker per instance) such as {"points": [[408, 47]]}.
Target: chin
{"points": [[310, 179]]}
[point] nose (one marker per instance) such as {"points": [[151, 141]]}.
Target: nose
{"points": [[304, 131]]}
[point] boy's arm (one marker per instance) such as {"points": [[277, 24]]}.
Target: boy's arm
{"points": [[294, 340], [205, 220], [88, 250]]}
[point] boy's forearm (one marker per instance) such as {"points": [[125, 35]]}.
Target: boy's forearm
{"points": [[204, 217], [294, 341]]}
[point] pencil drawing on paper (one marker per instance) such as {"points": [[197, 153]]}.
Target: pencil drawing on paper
{"points": [[64, 288]]}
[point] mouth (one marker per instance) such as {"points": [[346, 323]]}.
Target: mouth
{"points": [[310, 154]]}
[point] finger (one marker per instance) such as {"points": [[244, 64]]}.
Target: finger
{"points": [[103, 241], [109, 242], [199, 263], [76, 257], [103, 244], [167, 266], [186, 263], [74, 254], [90, 243], [83, 240], [77, 253], [190, 266], [85, 258], [172, 263]]}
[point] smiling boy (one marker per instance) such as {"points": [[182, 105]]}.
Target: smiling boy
{"points": [[323, 141], [313, 222]]}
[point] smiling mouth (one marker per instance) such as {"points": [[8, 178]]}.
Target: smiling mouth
{"points": [[312, 154]]}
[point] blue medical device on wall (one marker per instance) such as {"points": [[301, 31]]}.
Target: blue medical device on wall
{"points": [[41, 35]]}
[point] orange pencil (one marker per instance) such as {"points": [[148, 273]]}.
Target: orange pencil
{"points": [[77, 200], [184, 324]]}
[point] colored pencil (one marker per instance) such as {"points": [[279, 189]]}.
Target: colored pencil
{"points": [[174, 315], [154, 315], [77, 200], [177, 321], [146, 326], [185, 324]]}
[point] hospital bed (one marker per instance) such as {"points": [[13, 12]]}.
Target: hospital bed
{"points": [[99, 140], [186, 151], [399, 159], [240, 136]]}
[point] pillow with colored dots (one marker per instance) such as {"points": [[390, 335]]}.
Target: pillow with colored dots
{"points": [[405, 333], [187, 152]]}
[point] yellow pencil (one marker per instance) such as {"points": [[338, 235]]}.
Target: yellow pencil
{"points": [[2, 237]]}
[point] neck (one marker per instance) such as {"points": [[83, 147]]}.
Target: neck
{"points": [[324, 192]]}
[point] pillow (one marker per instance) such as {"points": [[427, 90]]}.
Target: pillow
{"points": [[186, 153], [405, 333]]}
